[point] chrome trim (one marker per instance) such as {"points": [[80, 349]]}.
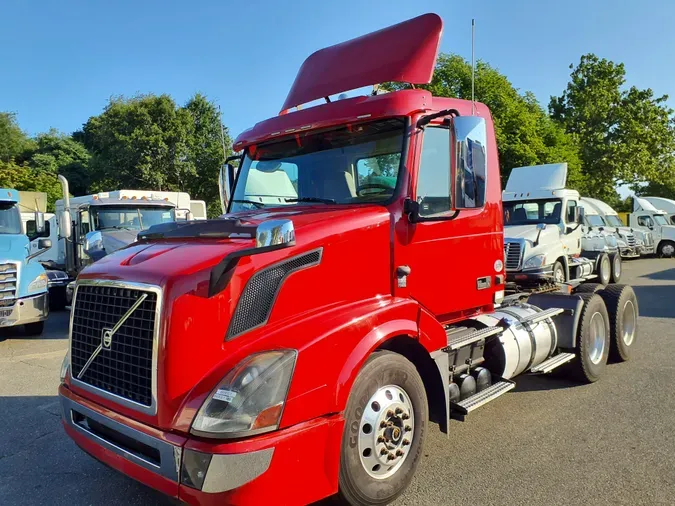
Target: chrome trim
{"points": [[275, 233], [32, 309], [149, 410], [169, 454], [510, 267], [230, 471]]}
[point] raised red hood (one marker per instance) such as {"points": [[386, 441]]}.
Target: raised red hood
{"points": [[192, 339]]}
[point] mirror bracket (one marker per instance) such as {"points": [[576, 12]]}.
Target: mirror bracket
{"points": [[412, 210]]}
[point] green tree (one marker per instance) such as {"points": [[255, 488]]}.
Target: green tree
{"points": [[148, 142], [525, 134], [626, 136], [14, 143], [24, 178]]}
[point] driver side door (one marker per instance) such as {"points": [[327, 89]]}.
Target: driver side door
{"points": [[571, 230]]}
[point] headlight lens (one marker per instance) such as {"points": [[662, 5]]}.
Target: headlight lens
{"points": [[535, 261], [38, 284], [251, 397], [64, 366]]}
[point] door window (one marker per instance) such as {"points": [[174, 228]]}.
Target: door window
{"points": [[645, 221], [433, 180]]}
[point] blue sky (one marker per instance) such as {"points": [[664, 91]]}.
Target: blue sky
{"points": [[61, 61]]}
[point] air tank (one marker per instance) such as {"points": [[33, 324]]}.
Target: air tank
{"points": [[521, 346]]}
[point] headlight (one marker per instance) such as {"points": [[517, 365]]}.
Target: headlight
{"points": [[64, 366], [39, 283], [250, 399], [535, 261]]}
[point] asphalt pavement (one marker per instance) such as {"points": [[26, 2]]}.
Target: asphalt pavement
{"points": [[549, 441]]}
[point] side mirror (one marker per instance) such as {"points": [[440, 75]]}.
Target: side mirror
{"points": [[468, 165], [226, 178], [275, 234], [541, 226], [65, 225], [93, 245], [44, 243], [189, 216], [581, 214], [39, 222]]}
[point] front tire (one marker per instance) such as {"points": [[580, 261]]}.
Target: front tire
{"points": [[34, 329], [666, 249], [622, 306], [604, 269], [385, 425], [617, 267], [559, 275], [593, 340]]}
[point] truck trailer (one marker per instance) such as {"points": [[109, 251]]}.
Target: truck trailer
{"points": [[243, 360]]}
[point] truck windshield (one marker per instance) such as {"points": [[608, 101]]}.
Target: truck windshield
{"points": [[353, 164], [10, 219], [131, 217], [660, 219], [614, 221], [528, 212], [594, 220]]}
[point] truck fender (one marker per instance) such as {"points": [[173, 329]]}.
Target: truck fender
{"points": [[567, 323], [371, 342]]}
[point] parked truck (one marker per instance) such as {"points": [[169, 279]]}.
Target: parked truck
{"points": [[663, 204], [92, 226], [23, 282], [648, 218], [545, 240], [297, 347], [635, 242]]}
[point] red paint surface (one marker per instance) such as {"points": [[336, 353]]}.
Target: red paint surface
{"points": [[334, 314], [405, 53]]}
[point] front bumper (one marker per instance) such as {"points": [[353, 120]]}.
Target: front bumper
{"points": [[25, 310], [297, 465], [646, 250], [629, 252], [535, 276]]}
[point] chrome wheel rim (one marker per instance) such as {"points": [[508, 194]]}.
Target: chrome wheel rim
{"points": [[617, 268], [386, 431], [668, 250], [628, 320], [598, 335], [559, 275]]}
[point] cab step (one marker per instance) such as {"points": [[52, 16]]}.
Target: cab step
{"points": [[555, 361], [464, 336], [541, 316], [459, 410]]}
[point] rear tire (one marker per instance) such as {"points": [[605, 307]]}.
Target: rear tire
{"points": [[588, 288], [386, 383], [34, 329], [604, 269], [666, 249], [593, 341], [617, 268], [622, 306]]}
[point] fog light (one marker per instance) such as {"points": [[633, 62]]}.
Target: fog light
{"points": [[195, 466]]}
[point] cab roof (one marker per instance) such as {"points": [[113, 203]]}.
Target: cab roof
{"points": [[8, 195]]}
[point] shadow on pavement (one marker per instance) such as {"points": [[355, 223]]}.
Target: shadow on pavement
{"points": [[39, 464], [667, 275], [534, 383], [656, 301]]}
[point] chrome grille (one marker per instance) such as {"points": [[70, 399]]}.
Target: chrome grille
{"points": [[125, 368], [631, 240], [512, 253], [8, 282]]}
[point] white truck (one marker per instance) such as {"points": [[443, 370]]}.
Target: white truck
{"points": [[544, 241], [648, 218], [663, 204], [92, 226], [637, 242]]}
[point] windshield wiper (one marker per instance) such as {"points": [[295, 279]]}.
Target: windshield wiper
{"points": [[117, 227], [311, 199], [252, 202]]}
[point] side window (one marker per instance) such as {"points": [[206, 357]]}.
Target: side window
{"points": [[570, 211], [84, 223], [645, 221], [433, 180]]}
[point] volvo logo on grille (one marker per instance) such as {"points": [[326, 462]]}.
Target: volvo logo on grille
{"points": [[106, 338]]}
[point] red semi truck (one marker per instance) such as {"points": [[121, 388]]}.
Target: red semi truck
{"points": [[298, 346]]}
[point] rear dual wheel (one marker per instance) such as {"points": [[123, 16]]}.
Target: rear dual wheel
{"points": [[622, 307], [593, 339], [385, 425]]}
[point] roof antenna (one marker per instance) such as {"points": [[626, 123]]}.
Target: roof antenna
{"points": [[222, 134], [473, 67]]}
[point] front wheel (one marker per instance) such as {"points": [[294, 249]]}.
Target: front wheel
{"points": [[559, 272], [385, 425], [666, 249], [617, 267], [604, 269]]}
